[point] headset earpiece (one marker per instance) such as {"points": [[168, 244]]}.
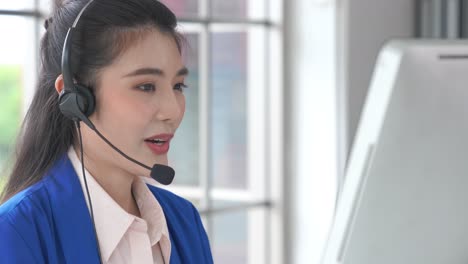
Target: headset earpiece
{"points": [[77, 105], [88, 99]]}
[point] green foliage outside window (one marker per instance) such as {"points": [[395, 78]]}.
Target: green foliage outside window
{"points": [[10, 112]]}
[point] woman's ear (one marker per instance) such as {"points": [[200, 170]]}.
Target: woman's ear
{"points": [[59, 84]]}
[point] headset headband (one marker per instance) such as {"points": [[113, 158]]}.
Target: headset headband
{"points": [[66, 53]]}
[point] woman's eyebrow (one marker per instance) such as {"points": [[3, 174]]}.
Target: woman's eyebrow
{"points": [[183, 72], [155, 71]]}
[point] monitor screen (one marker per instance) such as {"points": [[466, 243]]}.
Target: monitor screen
{"points": [[405, 195]]}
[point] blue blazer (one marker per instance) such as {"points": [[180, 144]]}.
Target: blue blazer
{"points": [[49, 222]]}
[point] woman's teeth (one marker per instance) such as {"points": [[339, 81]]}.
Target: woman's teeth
{"points": [[157, 141]]}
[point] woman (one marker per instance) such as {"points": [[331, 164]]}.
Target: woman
{"points": [[71, 198]]}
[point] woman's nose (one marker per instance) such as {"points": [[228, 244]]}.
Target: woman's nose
{"points": [[169, 107]]}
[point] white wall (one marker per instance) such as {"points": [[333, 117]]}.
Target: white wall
{"points": [[310, 127]]}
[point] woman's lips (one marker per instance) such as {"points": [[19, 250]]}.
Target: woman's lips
{"points": [[158, 149], [159, 144]]}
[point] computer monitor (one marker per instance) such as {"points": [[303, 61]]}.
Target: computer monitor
{"points": [[405, 195]]}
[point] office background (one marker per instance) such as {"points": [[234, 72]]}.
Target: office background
{"points": [[276, 90]]}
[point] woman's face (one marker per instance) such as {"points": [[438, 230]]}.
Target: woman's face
{"points": [[139, 104]]}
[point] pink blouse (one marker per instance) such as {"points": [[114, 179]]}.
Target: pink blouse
{"points": [[123, 237]]}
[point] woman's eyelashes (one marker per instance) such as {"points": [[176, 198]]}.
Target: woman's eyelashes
{"points": [[180, 87], [150, 87], [147, 87]]}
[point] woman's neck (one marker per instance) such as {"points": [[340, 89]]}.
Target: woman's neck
{"points": [[116, 183]]}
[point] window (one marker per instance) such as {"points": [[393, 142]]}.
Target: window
{"points": [[17, 73], [223, 150], [220, 152]]}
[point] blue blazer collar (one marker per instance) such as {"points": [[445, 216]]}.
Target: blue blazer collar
{"points": [[71, 215]]}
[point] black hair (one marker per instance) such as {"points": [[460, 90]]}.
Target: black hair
{"points": [[106, 29]]}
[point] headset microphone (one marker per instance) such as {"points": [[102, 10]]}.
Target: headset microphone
{"points": [[161, 173]]}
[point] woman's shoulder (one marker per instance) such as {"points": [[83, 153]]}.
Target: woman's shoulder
{"points": [[34, 199], [26, 203], [25, 197], [22, 218]]}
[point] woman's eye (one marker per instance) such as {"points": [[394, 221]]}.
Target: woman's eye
{"points": [[147, 87], [180, 87]]}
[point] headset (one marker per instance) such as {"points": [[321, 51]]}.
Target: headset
{"points": [[76, 101]]}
